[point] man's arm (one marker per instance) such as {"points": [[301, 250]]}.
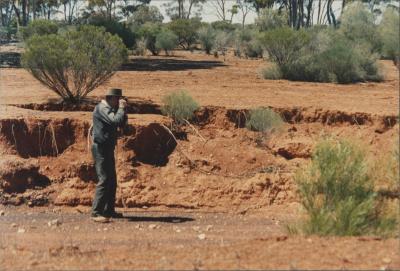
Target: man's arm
{"points": [[109, 117]]}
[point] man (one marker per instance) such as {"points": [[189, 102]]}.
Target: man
{"points": [[108, 115]]}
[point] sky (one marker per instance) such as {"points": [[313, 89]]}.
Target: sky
{"points": [[209, 13]]}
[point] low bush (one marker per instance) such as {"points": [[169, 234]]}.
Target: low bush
{"points": [[320, 55], [263, 120], [180, 106], [39, 27], [337, 192], [271, 72]]}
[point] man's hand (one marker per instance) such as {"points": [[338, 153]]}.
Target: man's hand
{"points": [[122, 103]]}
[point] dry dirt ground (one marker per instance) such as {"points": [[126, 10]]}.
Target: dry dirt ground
{"points": [[216, 199]]}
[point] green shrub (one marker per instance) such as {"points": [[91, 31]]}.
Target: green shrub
{"points": [[285, 45], [272, 72], [341, 62], [186, 30], [389, 31], [263, 120], [166, 40], [74, 64], [116, 28], [180, 106], [206, 36], [319, 55], [253, 48], [337, 192], [39, 27]]}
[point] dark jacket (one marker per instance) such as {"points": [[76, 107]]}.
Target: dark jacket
{"points": [[106, 120]]}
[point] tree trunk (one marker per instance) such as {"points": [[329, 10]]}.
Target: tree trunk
{"points": [[24, 15]]}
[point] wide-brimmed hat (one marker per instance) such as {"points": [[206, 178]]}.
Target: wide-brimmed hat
{"points": [[114, 92]]}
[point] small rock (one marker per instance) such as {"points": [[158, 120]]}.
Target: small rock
{"points": [[138, 226], [152, 226], [387, 260], [202, 236], [54, 222], [309, 240], [105, 229], [13, 225], [281, 238], [144, 207], [30, 203], [2, 213], [196, 228], [76, 228], [209, 227], [176, 220], [21, 230]]}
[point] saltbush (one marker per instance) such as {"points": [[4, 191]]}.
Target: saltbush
{"points": [[180, 106], [263, 120], [337, 192]]}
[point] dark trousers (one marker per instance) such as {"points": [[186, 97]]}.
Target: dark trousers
{"points": [[106, 188]]}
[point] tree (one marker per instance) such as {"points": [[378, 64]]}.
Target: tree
{"points": [[389, 31], [183, 9], [221, 8], [70, 9], [149, 32], [166, 40], [269, 19], [186, 30], [74, 64], [146, 14], [129, 7], [244, 7], [206, 36], [258, 5], [358, 25]]}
